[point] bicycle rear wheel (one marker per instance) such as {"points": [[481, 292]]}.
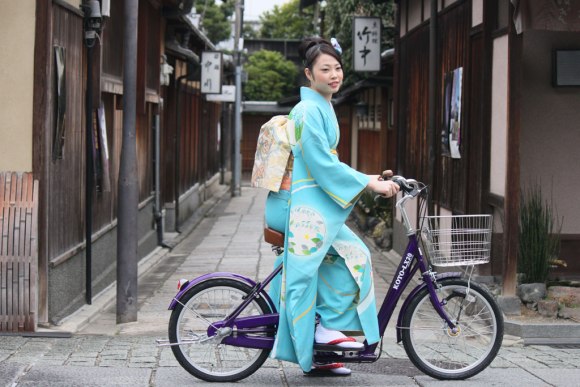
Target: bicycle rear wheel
{"points": [[205, 357], [435, 349]]}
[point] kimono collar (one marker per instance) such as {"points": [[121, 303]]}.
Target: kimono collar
{"points": [[307, 94]]}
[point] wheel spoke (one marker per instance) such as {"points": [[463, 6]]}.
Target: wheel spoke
{"points": [[211, 360], [445, 354]]}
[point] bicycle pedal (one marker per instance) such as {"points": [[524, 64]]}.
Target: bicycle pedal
{"points": [[336, 348]]}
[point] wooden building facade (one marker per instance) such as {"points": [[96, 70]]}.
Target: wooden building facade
{"points": [[190, 155], [505, 74]]}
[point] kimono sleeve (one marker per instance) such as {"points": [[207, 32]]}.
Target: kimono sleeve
{"points": [[341, 182]]}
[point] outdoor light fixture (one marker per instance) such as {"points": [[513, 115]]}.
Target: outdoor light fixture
{"points": [[92, 21]]}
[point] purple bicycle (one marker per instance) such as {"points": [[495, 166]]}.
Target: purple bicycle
{"points": [[222, 325]]}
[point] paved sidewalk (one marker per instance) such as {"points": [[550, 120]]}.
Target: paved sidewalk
{"points": [[229, 238]]}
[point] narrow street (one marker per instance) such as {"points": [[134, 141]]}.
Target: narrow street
{"points": [[229, 238]]}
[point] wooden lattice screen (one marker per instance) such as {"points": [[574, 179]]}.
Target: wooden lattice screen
{"points": [[18, 251]]}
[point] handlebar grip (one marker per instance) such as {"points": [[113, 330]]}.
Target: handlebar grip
{"points": [[402, 183], [407, 186]]}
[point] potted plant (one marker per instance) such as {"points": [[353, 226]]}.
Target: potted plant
{"points": [[539, 243], [374, 216]]}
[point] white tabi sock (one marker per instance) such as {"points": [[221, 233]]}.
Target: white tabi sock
{"points": [[325, 336]]}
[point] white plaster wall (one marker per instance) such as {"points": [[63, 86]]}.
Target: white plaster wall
{"points": [[75, 4], [499, 117], [476, 12], [354, 142], [403, 18], [17, 19], [550, 131], [426, 10], [414, 14], [449, 2], [445, 212]]}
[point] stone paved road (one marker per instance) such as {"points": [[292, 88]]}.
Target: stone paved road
{"points": [[102, 353]]}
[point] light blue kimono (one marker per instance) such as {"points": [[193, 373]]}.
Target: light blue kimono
{"points": [[336, 286]]}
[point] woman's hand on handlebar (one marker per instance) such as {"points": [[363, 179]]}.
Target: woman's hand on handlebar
{"points": [[383, 187]]}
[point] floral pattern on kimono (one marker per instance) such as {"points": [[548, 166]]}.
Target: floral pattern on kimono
{"points": [[323, 193], [272, 153]]}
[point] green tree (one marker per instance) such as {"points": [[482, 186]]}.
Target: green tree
{"points": [[287, 22], [214, 18], [249, 32], [338, 17], [228, 7], [270, 76]]}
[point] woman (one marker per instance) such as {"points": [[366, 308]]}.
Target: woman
{"points": [[327, 277]]}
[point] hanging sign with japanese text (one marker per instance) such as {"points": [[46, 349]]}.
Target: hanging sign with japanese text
{"points": [[367, 43], [228, 94], [211, 72]]}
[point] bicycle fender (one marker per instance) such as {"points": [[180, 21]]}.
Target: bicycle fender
{"points": [[418, 288], [218, 275]]}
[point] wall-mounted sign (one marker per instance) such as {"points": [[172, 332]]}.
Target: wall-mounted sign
{"points": [[566, 68], [451, 131], [367, 43], [211, 72], [228, 94]]}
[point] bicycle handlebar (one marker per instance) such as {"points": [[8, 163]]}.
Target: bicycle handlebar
{"points": [[408, 186], [411, 188]]}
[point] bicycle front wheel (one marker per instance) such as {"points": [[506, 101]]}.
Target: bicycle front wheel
{"points": [[206, 357], [438, 351]]}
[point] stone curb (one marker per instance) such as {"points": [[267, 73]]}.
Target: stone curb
{"points": [[562, 334]]}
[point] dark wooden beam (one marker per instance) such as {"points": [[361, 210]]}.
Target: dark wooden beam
{"points": [[41, 129], [512, 187]]}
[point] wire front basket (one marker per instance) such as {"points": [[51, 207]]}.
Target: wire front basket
{"points": [[458, 240]]}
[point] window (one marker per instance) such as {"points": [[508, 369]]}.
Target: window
{"points": [[371, 119]]}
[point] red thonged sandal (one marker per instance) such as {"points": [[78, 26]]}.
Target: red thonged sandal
{"points": [[330, 369], [346, 342], [328, 337]]}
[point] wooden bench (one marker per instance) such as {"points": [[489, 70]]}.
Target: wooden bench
{"points": [[18, 252]]}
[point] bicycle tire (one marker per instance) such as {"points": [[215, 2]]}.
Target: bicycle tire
{"points": [[203, 304], [440, 353]]}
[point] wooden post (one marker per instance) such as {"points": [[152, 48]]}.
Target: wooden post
{"points": [[512, 194], [41, 127], [432, 135]]}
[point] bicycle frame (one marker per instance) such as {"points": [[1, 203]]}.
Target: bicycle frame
{"points": [[411, 262]]}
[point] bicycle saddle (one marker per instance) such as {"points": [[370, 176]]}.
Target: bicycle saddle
{"points": [[273, 237]]}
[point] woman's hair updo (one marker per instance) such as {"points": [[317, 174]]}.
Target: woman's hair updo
{"points": [[311, 48]]}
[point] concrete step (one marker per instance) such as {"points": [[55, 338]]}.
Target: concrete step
{"points": [[565, 333]]}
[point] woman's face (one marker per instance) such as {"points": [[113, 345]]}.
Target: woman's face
{"points": [[326, 75]]}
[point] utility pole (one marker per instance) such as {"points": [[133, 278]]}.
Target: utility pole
{"points": [[237, 157], [128, 188]]}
